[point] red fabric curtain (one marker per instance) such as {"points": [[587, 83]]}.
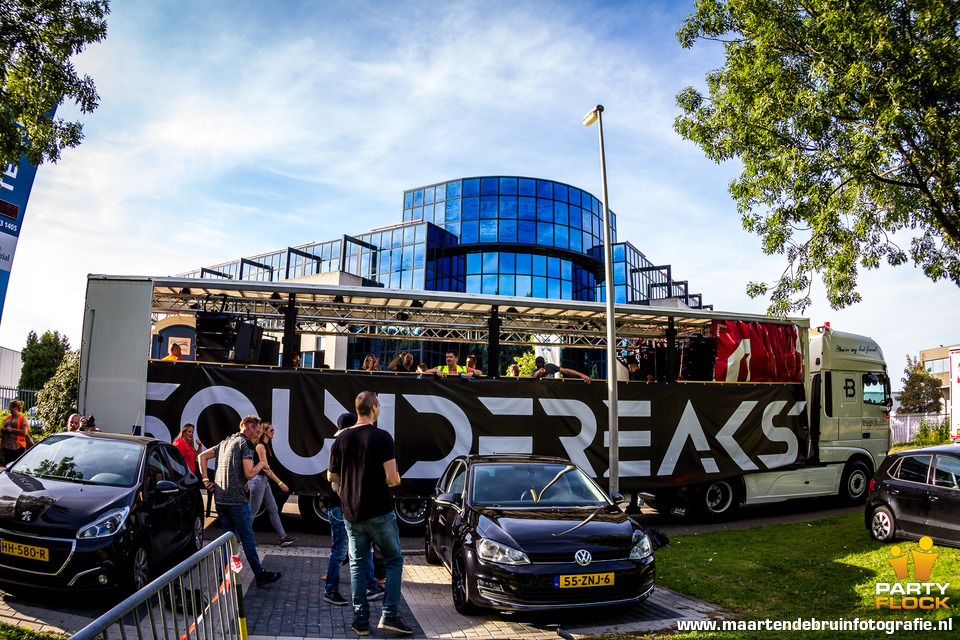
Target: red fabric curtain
{"points": [[757, 352]]}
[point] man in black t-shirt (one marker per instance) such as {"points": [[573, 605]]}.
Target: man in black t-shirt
{"points": [[543, 368], [363, 465]]}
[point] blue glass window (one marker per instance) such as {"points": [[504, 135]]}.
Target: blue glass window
{"points": [[508, 262], [527, 187], [406, 215], [508, 230], [395, 260], [396, 238], [407, 260], [408, 234], [488, 186], [560, 191], [586, 220], [418, 279], [506, 285], [508, 186], [587, 241], [474, 263], [566, 290], [508, 207], [408, 199], [428, 213], [419, 255], [545, 233], [428, 195], [490, 262], [473, 284], [527, 209], [488, 207], [418, 198], [524, 286], [453, 211], [490, 284], [325, 251], [544, 189], [471, 208], [618, 253], [560, 212], [471, 187], [439, 214], [619, 273], [544, 210], [470, 232], [553, 288], [453, 227], [539, 265], [453, 189], [562, 239], [566, 269], [523, 263], [574, 197], [419, 236], [539, 287], [553, 267], [417, 213], [527, 232], [406, 280], [441, 191], [488, 231], [620, 294]]}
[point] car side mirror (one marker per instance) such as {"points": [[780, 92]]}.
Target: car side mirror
{"points": [[617, 498], [167, 487], [448, 499]]}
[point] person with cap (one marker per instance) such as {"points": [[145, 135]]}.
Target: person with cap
{"points": [[338, 545], [543, 368]]}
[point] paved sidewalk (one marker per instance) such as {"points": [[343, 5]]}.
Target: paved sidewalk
{"points": [[293, 607]]}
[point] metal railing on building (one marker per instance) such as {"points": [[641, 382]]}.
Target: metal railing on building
{"points": [[199, 598]]}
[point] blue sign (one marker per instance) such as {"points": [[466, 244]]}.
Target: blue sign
{"points": [[15, 184]]}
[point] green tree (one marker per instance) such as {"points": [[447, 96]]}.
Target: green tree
{"points": [[844, 117], [37, 40], [41, 357], [526, 362], [921, 391], [58, 398]]}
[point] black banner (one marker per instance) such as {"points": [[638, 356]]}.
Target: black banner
{"points": [[669, 434]]}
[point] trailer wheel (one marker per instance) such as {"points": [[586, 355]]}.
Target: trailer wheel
{"points": [[719, 500], [855, 482], [313, 510], [411, 513]]}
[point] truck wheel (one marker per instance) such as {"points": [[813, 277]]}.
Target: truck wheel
{"points": [[313, 510], [411, 513], [718, 500], [855, 482]]}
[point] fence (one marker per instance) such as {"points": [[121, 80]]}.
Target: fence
{"points": [[199, 598], [903, 428], [29, 398]]}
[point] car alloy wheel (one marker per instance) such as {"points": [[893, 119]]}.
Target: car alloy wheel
{"points": [[139, 568], [882, 525], [458, 583], [197, 541]]}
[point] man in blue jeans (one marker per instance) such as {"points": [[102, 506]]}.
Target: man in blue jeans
{"points": [[363, 465], [234, 468], [338, 546]]}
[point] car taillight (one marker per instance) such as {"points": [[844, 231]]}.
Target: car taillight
{"points": [[870, 489]]}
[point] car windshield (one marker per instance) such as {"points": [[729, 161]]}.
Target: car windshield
{"points": [[531, 484], [87, 460]]}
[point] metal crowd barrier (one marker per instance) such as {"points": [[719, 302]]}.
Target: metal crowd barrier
{"points": [[200, 598]]}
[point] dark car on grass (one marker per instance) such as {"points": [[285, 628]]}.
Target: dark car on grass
{"points": [[83, 511], [916, 493], [532, 532]]}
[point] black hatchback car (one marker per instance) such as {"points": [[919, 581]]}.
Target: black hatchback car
{"points": [[916, 493], [95, 511], [533, 532]]}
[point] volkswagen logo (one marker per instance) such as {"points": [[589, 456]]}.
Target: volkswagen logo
{"points": [[583, 557], [26, 516]]}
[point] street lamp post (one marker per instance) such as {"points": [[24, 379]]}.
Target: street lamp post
{"points": [[612, 424]]}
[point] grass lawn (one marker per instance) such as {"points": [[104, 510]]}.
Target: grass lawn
{"points": [[826, 569], [10, 632]]}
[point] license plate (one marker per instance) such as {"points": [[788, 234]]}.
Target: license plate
{"points": [[583, 580], [24, 550]]}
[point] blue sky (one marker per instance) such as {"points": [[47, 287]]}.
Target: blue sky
{"points": [[230, 129]]}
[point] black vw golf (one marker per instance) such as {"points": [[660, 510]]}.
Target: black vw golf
{"points": [[534, 532], [95, 511]]}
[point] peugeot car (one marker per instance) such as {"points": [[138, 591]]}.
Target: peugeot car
{"points": [[533, 532], [916, 493], [82, 511]]}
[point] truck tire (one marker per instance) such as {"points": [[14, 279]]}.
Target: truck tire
{"points": [[855, 482], [313, 510], [411, 513], [718, 500]]}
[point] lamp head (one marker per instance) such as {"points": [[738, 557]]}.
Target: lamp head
{"points": [[591, 117]]}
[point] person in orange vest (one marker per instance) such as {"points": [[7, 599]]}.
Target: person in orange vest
{"points": [[15, 429], [174, 354]]}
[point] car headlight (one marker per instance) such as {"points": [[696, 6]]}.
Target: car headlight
{"points": [[641, 547], [106, 525], [501, 553]]}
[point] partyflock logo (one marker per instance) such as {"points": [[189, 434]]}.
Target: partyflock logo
{"points": [[918, 594]]}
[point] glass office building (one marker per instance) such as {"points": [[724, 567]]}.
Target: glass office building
{"points": [[496, 235]]}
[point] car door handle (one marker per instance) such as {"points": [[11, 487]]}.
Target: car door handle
{"points": [[934, 498]]}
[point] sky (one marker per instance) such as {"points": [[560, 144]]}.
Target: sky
{"points": [[231, 129]]}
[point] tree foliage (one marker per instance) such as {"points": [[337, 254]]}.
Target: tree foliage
{"points": [[37, 40], [527, 362], [844, 116], [41, 357], [921, 391], [58, 398]]}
